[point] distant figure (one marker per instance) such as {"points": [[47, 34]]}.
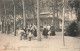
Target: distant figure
{"points": [[29, 34], [48, 27], [8, 28], [45, 33], [22, 32], [34, 31], [52, 30]]}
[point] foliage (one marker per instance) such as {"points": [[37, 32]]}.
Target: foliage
{"points": [[74, 3], [72, 29]]}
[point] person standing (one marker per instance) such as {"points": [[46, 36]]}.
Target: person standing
{"points": [[45, 33], [52, 29], [21, 32], [48, 27], [29, 34]]}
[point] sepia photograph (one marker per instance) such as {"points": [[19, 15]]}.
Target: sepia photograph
{"points": [[39, 25]]}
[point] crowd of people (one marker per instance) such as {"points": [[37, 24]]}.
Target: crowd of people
{"points": [[28, 33], [48, 30], [31, 32]]}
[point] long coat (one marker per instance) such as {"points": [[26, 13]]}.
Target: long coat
{"points": [[45, 32], [52, 31], [34, 32]]}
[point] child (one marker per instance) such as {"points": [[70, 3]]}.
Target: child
{"points": [[20, 31]]}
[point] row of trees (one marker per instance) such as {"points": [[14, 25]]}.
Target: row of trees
{"points": [[29, 7], [75, 4], [13, 8], [22, 7]]}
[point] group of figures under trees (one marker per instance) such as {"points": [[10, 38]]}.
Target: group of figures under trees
{"points": [[31, 32], [7, 9]]}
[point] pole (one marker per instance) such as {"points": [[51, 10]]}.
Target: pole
{"points": [[53, 8], [24, 15], [14, 20], [0, 21], [14, 23], [57, 15], [63, 23], [38, 22], [5, 18]]}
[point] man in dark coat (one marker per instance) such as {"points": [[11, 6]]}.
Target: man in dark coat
{"points": [[52, 30], [45, 33], [34, 32]]}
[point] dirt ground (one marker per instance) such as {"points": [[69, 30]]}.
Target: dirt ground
{"points": [[52, 43]]}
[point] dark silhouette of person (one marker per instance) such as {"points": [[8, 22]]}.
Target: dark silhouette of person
{"points": [[45, 33], [52, 30]]}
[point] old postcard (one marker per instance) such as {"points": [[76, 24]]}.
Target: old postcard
{"points": [[39, 25]]}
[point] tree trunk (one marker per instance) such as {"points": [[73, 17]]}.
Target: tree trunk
{"points": [[57, 16], [5, 18], [24, 25], [78, 17], [53, 8], [78, 27], [0, 20], [63, 23], [38, 22], [14, 22], [34, 15], [14, 19], [57, 19]]}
